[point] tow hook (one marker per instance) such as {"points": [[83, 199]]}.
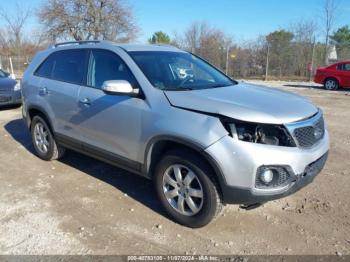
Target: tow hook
{"points": [[250, 206]]}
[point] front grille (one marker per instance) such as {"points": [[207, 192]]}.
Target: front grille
{"points": [[5, 99], [308, 136]]}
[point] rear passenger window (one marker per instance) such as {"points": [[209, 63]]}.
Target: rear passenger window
{"points": [[106, 65], [343, 67], [70, 66], [67, 66]]}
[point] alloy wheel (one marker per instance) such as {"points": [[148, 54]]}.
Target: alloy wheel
{"points": [[41, 138], [331, 85], [183, 189]]}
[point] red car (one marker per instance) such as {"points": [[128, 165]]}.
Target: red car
{"points": [[334, 76]]}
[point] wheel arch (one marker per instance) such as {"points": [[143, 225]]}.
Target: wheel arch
{"points": [[38, 110], [338, 79], [161, 144]]}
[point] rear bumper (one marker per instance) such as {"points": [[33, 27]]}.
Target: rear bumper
{"points": [[319, 79], [235, 195], [11, 98]]}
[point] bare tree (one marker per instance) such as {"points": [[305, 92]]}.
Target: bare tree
{"points": [[330, 9], [88, 19], [14, 24], [210, 43], [304, 32], [193, 35]]}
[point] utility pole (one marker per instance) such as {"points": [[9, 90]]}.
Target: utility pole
{"points": [[312, 58], [227, 56], [267, 62]]}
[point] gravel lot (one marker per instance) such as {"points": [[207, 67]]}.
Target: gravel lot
{"points": [[82, 206]]}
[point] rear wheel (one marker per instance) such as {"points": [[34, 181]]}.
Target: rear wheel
{"points": [[187, 189], [44, 142], [331, 84]]}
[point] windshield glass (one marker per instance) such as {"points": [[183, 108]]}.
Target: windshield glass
{"points": [[3, 74], [179, 71]]}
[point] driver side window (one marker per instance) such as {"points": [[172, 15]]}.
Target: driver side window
{"points": [[105, 65]]}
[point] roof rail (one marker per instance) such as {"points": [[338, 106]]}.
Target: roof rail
{"points": [[163, 44], [76, 43]]}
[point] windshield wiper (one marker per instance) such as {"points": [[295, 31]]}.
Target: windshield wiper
{"points": [[177, 89], [218, 85]]}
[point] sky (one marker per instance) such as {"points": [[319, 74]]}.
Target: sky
{"points": [[241, 19]]}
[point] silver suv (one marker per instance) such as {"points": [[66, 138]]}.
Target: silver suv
{"points": [[203, 138]]}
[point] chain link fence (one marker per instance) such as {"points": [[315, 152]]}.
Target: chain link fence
{"points": [[14, 64]]}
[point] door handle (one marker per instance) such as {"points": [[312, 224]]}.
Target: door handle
{"points": [[85, 101], [43, 91]]}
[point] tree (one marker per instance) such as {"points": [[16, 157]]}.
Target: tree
{"points": [[159, 38], [210, 43], [304, 32], [88, 19], [330, 9], [342, 41], [13, 37], [280, 47]]}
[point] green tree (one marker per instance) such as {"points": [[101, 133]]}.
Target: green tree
{"points": [[159, 38], [280, 45], [342, 42]]}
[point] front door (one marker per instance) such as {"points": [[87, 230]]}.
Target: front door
{"points": [[109, 124]]}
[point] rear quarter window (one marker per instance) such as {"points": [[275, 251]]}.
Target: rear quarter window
{"points": [[45, 69], [340, 67], [343, 67]]}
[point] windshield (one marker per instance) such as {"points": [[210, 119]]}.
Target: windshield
{"points": [[179, 71], [3, 74]]}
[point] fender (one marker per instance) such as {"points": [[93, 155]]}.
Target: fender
{"points": [[190, 144]]}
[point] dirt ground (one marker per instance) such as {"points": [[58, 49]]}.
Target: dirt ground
{"points": [[82, 206]]}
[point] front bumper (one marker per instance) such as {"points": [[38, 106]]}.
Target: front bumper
{"points": [[234, 195], [239, 161], [10, 98]]}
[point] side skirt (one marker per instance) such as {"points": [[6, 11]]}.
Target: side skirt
{"points": [[100, 154]]}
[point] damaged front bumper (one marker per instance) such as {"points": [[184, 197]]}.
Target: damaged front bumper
{"points": [[239, 163]]}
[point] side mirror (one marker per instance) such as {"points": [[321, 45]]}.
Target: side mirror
{"points": [[119, 87]]}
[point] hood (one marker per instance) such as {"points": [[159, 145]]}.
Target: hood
{"points": [[7, 84], [246, 102]]}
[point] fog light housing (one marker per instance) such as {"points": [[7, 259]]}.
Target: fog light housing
{"points": [[267, 176], [273, 177]]}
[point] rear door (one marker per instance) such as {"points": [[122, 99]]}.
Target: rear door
{"points": [[110, 124], [62, 74]]}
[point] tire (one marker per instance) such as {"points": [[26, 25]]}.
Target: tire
{"points": [[43, 140], [331, 84], [201, 193]]}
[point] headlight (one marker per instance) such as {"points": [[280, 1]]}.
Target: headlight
{"points": [[267, 134], [17, 86]]}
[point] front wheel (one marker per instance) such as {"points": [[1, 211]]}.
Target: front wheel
{"points": [[331, 84], [187, 189]]}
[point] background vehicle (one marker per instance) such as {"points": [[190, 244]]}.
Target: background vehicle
{"points": [[334, 76], [10, 90], [204, 139]]}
